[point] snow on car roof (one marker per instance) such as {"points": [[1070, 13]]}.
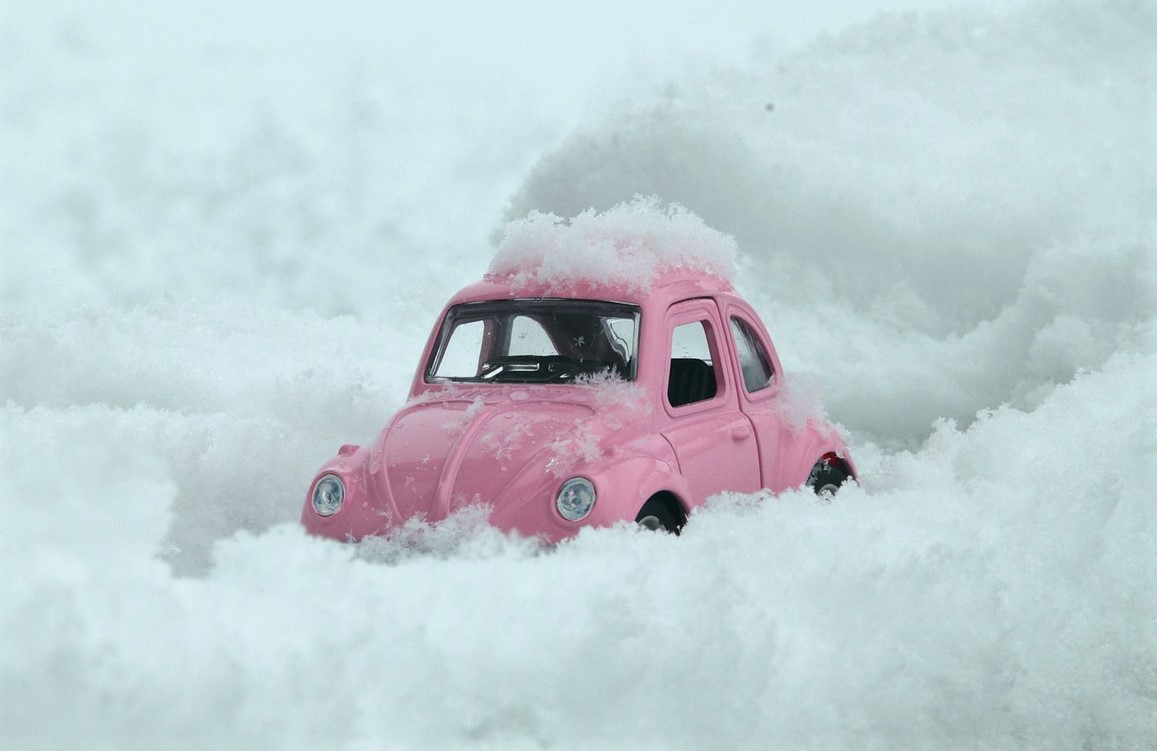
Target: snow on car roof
{"points": [[630, 247]]}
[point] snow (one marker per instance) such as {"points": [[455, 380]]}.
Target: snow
{"points": [[221, 262], [458, 424], [629, 246], [617, 401], [954, 184]]}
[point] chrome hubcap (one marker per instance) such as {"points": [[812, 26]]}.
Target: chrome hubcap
{"points": [[651, 522], [828, 491]]}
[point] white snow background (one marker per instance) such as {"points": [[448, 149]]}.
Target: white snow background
{"points": [[226, 230]]}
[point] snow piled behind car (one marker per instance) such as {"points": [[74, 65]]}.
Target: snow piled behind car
{"points": [[958, 226], [965, 200]]}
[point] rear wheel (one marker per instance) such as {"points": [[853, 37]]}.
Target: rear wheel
{"points": [[826, 478], [658, 515]]}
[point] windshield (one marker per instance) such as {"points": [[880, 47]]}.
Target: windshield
{"points": [[535, 341]]}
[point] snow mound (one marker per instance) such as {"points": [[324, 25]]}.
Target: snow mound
{"points": [[630, 245], [988, 591]]}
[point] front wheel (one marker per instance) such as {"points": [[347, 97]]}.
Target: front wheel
{"points": [[656, 515]]}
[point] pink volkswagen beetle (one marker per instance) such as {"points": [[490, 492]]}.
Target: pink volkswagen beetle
{"points": [[585, 404]]}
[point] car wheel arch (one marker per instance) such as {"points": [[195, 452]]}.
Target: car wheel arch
{"points": [[840, 461], [833, 466], [666, 506]]}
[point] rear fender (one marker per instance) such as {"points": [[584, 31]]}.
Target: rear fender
{"points": [[819, 446]]}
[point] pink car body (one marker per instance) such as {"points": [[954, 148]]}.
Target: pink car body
{"points": [[586, 406]]}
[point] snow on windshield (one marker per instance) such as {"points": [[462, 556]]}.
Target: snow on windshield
{"points": [[627, 245]]}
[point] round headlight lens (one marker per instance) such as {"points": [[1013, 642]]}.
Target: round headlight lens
{"points": [[576, 498], [328, 494]]}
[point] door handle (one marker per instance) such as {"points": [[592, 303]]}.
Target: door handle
{"points": [[740, 432]]}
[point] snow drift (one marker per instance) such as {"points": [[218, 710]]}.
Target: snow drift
{"points": [[967, 199], [947, 222]]}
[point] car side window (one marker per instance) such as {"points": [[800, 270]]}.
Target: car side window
{"points": [[692, 376], [753, 360]]}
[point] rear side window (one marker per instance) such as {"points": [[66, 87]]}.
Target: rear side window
{"points": [[753, 360]]}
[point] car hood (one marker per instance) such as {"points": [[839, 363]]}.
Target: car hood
{"points": [[441, 454]]}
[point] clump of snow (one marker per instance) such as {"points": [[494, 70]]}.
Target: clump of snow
{"points": [[616, 403], [628, 245], [503, 439], [461, 420], [616, 400], [581, 445]]}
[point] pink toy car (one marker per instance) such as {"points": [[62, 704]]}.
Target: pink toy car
{"points": [[584, 404]]}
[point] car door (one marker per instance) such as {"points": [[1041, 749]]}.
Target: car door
{"points": [[756, 369], [712, 438]]}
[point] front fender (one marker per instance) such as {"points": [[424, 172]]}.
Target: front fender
{"points": [[362, 513], [630, 483], [624, 479]]}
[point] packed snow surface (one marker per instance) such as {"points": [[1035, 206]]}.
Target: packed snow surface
{"points": [[947, 220]]}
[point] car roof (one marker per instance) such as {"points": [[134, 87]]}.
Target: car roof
{"points": [[663, 290]]}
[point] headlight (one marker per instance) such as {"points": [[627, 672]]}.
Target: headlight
{"points": [[576, 498], [328, 494]]}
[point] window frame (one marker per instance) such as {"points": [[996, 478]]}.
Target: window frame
{"points": [[751, 338], [752, 321], [499, 336]]}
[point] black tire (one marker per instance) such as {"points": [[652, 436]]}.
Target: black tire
{"points": [[826, 478], [657, 515]]}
